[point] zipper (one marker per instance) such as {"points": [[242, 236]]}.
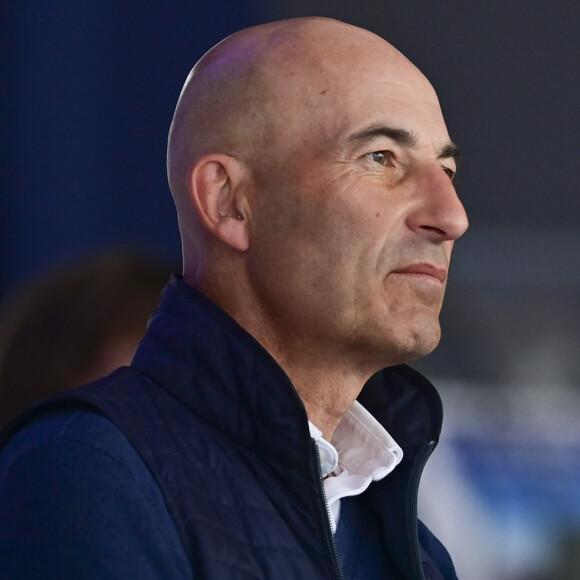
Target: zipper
{"points": [[427, 451], [327, 508]]}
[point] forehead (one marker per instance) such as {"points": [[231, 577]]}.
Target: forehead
{"points": [[377, 98], [372, 85]]}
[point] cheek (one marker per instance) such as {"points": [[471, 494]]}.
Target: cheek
{"points": [[329, 233]]}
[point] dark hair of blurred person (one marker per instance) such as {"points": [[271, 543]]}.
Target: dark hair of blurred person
{"points": [[74, 324]]}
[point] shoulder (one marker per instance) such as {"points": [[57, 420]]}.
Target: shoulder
{"points": [[83, 427], [73, 439], [78, 495]]}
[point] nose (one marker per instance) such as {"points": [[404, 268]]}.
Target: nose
{"points": [[439, 213]]}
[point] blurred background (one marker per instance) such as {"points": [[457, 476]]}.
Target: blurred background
{"points": [[88, 89]]}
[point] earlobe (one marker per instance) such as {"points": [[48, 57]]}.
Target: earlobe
{"points": [[216, 185]]}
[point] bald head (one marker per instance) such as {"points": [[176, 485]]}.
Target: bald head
{"points": [[250, 91]]}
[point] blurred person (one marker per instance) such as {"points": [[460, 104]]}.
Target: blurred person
{"points": [[74, 323], [267, 426]]}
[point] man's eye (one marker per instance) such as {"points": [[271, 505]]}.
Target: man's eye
{"points": [[381, 157], [449, 172]]}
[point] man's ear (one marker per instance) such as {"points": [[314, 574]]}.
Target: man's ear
{"points": [[217, 184]]}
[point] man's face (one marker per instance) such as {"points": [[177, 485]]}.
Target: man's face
{"points": [[356, 216]]}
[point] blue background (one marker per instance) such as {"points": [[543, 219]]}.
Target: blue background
{"points": [[88, 89]]}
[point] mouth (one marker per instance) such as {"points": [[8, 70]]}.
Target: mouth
{"points": [[426, 271]]}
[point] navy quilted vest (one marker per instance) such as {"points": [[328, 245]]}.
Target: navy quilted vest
{"points": [[225, 434]]}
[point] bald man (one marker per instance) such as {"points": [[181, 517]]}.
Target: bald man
{"points": [[267, 427]]}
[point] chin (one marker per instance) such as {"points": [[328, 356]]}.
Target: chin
{"points": [[391, 349], [425, 342], [418, 342]]}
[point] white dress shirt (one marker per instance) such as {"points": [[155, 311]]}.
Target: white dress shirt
{"points": [[361, 452]]}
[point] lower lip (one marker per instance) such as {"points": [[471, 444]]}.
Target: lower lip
{"points": [[420, 276]]}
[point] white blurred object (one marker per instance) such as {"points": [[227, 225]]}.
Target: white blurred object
{"points": [[503, 483]]}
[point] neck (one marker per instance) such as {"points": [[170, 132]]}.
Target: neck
{"points": [[327, 391]]}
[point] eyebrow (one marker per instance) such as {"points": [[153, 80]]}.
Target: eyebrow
{"points": [[403, 137], [449, 151]]}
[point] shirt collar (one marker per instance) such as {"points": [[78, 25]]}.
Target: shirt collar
{"points": [[359, 445]]}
